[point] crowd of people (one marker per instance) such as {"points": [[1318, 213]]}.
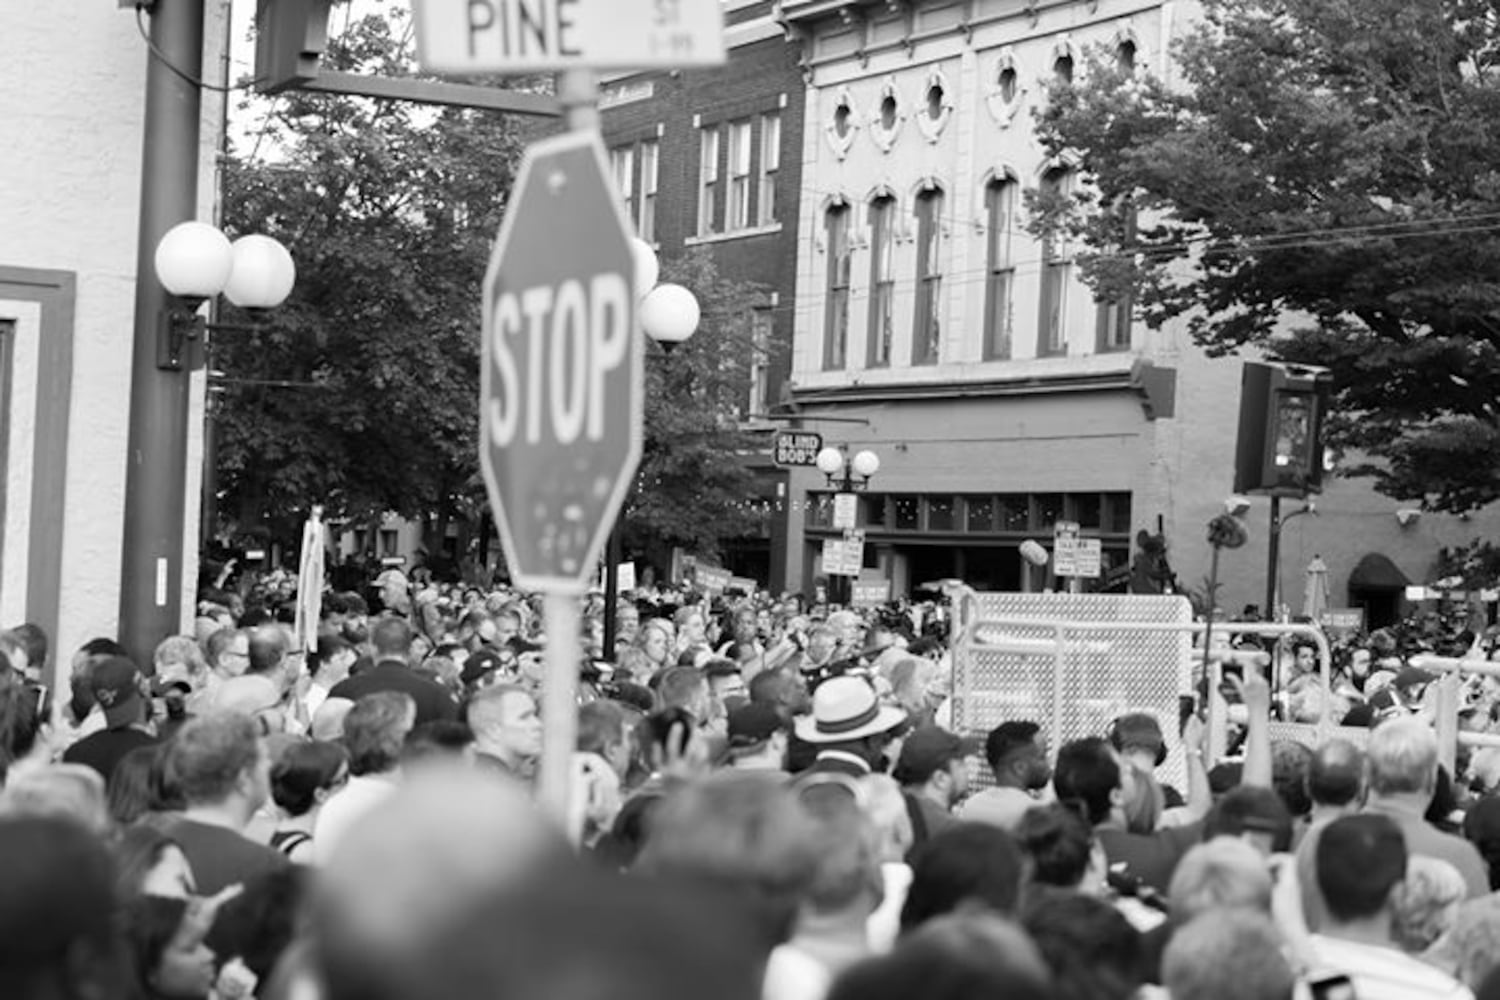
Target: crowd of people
{"points": [[769, 800]]}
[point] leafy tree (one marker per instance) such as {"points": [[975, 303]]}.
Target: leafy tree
{"points": [[389, 210], [1322, 182], [693, 482]]}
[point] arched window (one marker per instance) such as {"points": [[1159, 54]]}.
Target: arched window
{"points": [[1000, 269], [1008, 84], [1062, 70], [882, 279], [836, 315], [1125, 57], [1057, 267], [926, 329]]}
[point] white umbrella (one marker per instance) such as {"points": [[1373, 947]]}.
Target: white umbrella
{"points": [[310, 582]]}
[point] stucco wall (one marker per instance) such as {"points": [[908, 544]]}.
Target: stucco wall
{"points": [[72, 100]]}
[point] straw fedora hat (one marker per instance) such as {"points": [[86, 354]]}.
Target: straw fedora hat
{"points": [[846, 708]]}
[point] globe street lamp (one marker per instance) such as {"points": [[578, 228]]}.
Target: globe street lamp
{"points": [[669, 316], [195, 262], [846, 474]]}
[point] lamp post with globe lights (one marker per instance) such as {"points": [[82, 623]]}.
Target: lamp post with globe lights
{"points": [[669, 316], [193, 263], [847, 473]]}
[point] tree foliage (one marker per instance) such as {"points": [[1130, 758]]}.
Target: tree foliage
{"points": [[389, 210], [693, 483], [1323, 182]]}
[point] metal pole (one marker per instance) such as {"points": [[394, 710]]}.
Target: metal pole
{"points": [[559, 703], [156, 467], [578, 92], [612, 555], [1273, 553]]}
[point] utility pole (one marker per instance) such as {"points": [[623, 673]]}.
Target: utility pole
{"points": [[151, 570]]}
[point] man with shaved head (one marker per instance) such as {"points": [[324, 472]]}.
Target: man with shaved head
{"points": [[1336, 785]]}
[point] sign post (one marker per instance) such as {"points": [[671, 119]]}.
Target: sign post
{"points": [[560, 400]]}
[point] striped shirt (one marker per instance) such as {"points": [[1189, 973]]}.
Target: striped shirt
{"points": [[1380, 973]]}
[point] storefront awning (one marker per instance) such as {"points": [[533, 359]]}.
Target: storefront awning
{"points": [[1376, 572]]}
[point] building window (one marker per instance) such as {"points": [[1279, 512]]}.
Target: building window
{"points": [[1125, 57], [1000, 268], [388, 542], [882, 279], [836, 322], [1057, 266], [1062, 71], [927, 331], [770, 165], [645, 225], [737, 213], [759, 402], [1112, 317], [708, 180], [622, 168], [1008, 84]]}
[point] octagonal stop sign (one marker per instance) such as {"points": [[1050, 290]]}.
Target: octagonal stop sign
{"points": [[560, 382]]}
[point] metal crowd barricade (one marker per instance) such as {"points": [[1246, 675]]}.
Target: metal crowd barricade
{"points": [[1072, 663], [1445, 719]]}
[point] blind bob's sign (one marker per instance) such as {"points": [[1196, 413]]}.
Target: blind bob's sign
{"points": [[797, 448]]}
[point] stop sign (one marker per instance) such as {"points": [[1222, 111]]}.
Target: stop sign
{"points": [[560, 382]]}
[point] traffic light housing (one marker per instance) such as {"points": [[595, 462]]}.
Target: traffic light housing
{"points": [[1280, 446], [290, 37]]}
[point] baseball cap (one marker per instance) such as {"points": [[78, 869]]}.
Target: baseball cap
{"points": [[116, 687], [929, 750], [520, 646], [479, 665], [1411, 676], [753, 723]]}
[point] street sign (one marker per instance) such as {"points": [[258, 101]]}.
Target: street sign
{"points": [[561, 371], [1065, 548], [1090, 558], [845, 510], [522, 36], [796, 448]]}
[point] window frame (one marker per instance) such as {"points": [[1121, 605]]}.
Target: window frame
{"points": [[882, 321], [770, 167], [1056, 275], [1000, 266], [740, 167], [927, 325], [622, 173], [836, 221], [708, 179], [646, 208]]}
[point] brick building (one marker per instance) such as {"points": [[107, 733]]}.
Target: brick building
{"points": [[712, 158]]}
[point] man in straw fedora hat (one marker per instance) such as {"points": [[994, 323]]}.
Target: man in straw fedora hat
{"points": [[849, 726]]}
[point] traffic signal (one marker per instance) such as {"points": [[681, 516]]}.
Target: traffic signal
{"points": [[1280, 445], [290, 36]]}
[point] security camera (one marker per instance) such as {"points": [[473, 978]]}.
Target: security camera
{"points": [[1237, 505], [1408, 516]]}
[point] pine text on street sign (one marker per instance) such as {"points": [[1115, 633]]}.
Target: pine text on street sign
{"points": [[560, 384], [515, 36]]}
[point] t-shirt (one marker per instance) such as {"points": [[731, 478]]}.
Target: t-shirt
{"points": [[433, 702], [103, 750], [1149, 857], [221, 857], [1383, 973], [1422, 838], [345, 809], [1000, 806]]}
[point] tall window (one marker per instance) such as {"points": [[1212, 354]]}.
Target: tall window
{"points": [[836, 320], [770, 165], [882, 279], [1000, 268], [737, 212], [760, 363], [621, 166], [708, 180], [1112, 317], [927, 328], [645, 225], [1056, 268]]}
